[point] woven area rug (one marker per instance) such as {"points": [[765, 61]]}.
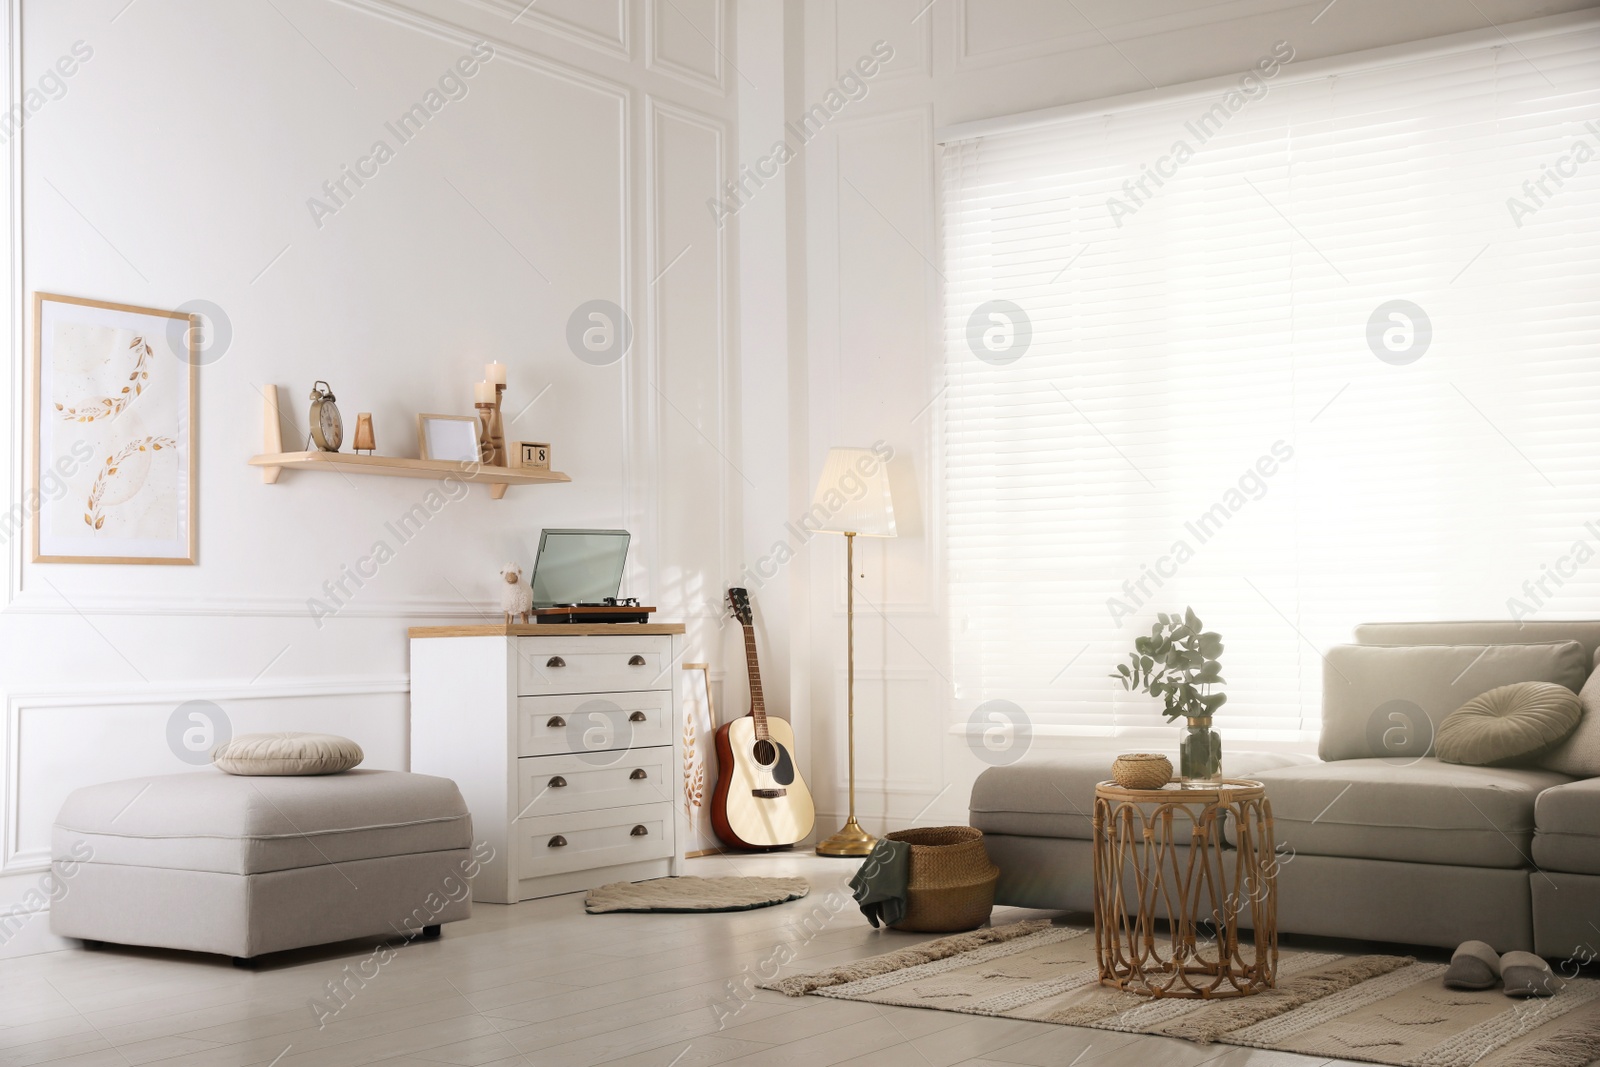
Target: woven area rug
{"points": [[1383, 1009], [695, 894]]}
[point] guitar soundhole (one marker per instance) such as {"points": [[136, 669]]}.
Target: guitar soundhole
{"points": [[766, 753]]}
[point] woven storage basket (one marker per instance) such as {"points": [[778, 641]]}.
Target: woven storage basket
{"points": [[950, 885], [1141, 770]]}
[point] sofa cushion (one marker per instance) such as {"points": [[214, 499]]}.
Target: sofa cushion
{"points": [[1509, 725], [1579, 754], [1568, 835], [1485, 632], [1422, 812], [210, 821], [1389, 701], [1056, 799]]}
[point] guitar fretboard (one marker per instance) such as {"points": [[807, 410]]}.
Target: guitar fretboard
{"points": [[758, 705]]}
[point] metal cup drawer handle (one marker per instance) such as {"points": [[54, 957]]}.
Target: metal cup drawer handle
{"points": [[555, 661], [638, 775], [556, 722], [557, 842], [640, 831], [637, 716], [637, 661], [558, 782]]}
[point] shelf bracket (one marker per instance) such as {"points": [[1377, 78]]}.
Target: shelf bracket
{"points": [[271, 431]]}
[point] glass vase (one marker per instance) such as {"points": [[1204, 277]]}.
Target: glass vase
{"points": [[1200, 753]]}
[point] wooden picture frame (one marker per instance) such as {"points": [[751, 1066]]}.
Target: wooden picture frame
{"points": [[699, 764], [122, 386], [456, 442]]}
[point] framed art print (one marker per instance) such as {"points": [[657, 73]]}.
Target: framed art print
{"points": [[114, 433]]}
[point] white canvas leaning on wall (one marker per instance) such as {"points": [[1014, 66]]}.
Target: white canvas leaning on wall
{"points": [[114, 464]]}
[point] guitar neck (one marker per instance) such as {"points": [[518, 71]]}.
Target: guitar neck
{"points": [[758, 704]]}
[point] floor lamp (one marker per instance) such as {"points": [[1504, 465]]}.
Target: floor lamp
{"points": [[853, 493]]}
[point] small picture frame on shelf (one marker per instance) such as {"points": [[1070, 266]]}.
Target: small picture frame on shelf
{"points": [[531, 455], [448, 437]]}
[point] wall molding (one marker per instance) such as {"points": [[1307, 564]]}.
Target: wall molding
{"points": [[13, 861], [654, 252], [935, 778], [964, 59], [922, 34], [654, 60], [621, 46]]}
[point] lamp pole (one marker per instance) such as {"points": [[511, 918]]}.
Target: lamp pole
{"points": [[851, 840]]}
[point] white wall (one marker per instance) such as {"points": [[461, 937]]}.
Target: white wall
{"points": [[177, 166], [875, 333]]}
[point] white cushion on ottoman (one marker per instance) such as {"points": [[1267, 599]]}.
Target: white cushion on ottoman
{"points": [[246, 865]]}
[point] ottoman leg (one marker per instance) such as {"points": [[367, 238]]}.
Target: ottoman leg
{"points": [[431, 932]]}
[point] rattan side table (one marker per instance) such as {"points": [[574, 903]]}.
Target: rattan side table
{"points": [[1144, 875]]}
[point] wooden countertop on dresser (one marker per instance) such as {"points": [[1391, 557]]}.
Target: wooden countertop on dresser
{"points": [[550, 629]]}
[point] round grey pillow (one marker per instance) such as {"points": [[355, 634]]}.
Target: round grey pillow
{"points": [[1509, 724], [287, 753]]}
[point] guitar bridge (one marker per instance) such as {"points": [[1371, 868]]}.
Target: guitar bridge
{"points": [[769, 794]]}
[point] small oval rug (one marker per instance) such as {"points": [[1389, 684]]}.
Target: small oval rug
{"points": [[695, 894]]}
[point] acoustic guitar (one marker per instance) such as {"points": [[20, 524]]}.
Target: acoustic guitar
{"points": [[761, 802]]}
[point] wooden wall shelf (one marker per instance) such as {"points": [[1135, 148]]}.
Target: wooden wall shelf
{"points": [[496, 478], [274, 461]]}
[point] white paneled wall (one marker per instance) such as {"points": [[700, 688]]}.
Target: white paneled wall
{"points": [[874, 330], [178, 164]]}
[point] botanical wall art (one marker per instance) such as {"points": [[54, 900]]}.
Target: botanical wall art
{"points": [[114, 418]]}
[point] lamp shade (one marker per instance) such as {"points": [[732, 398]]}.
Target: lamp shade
{"points": [[853, 495]]}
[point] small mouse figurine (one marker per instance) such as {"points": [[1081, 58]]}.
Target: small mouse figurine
{"points": [[516, 599]]}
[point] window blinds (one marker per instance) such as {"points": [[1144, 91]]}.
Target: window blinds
{"points": [[1323, 353]]}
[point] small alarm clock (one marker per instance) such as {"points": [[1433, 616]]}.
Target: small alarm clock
{"points": [[327, 428]]}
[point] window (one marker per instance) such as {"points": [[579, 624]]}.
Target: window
{"points": [[1300, 352]]}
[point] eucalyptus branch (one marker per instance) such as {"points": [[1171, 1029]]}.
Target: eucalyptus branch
{"points": [[1178, 662]]}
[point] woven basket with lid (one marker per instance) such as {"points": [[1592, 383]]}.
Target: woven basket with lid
{"points": [[950, 885]]}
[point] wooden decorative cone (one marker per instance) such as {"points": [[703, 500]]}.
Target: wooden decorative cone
{"points": [[364, 441]]}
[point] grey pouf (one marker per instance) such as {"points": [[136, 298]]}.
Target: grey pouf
{"points": [[242, 866]]}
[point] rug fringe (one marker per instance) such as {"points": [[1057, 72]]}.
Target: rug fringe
{"points": [[800, 984], [1214, 1021], [1576, 1046]]}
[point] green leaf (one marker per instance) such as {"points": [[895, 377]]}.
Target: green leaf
{"points": [[1163, 617], [1211, 645], [1122, 669], [1191, 618]]}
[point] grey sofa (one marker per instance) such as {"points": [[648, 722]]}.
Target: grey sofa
{"points": [[1378, 840]]}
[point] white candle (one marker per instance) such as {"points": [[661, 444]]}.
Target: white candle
{"points": [[494, 373], [482, 393]]}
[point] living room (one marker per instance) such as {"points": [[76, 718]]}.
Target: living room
{"points": [[893, 367]]}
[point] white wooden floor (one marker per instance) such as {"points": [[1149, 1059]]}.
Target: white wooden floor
{"points": [[541, 984]]}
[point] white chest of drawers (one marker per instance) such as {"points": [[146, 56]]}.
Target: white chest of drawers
{"points": [[565, 743]]}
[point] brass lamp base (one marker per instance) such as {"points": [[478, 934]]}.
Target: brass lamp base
{"points": [[852, 840]]}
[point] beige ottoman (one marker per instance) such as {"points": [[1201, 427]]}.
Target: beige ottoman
{"points": [[243, 866]]}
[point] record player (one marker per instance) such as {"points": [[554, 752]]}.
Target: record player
{"points": [[577, 576]]}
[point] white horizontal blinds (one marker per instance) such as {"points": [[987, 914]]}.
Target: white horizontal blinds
{"points": [[1222, 327]]}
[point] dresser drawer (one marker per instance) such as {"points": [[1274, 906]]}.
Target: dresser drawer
{"points": [[558, 785], [599, 727], [593, 664], [556, 844]]}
